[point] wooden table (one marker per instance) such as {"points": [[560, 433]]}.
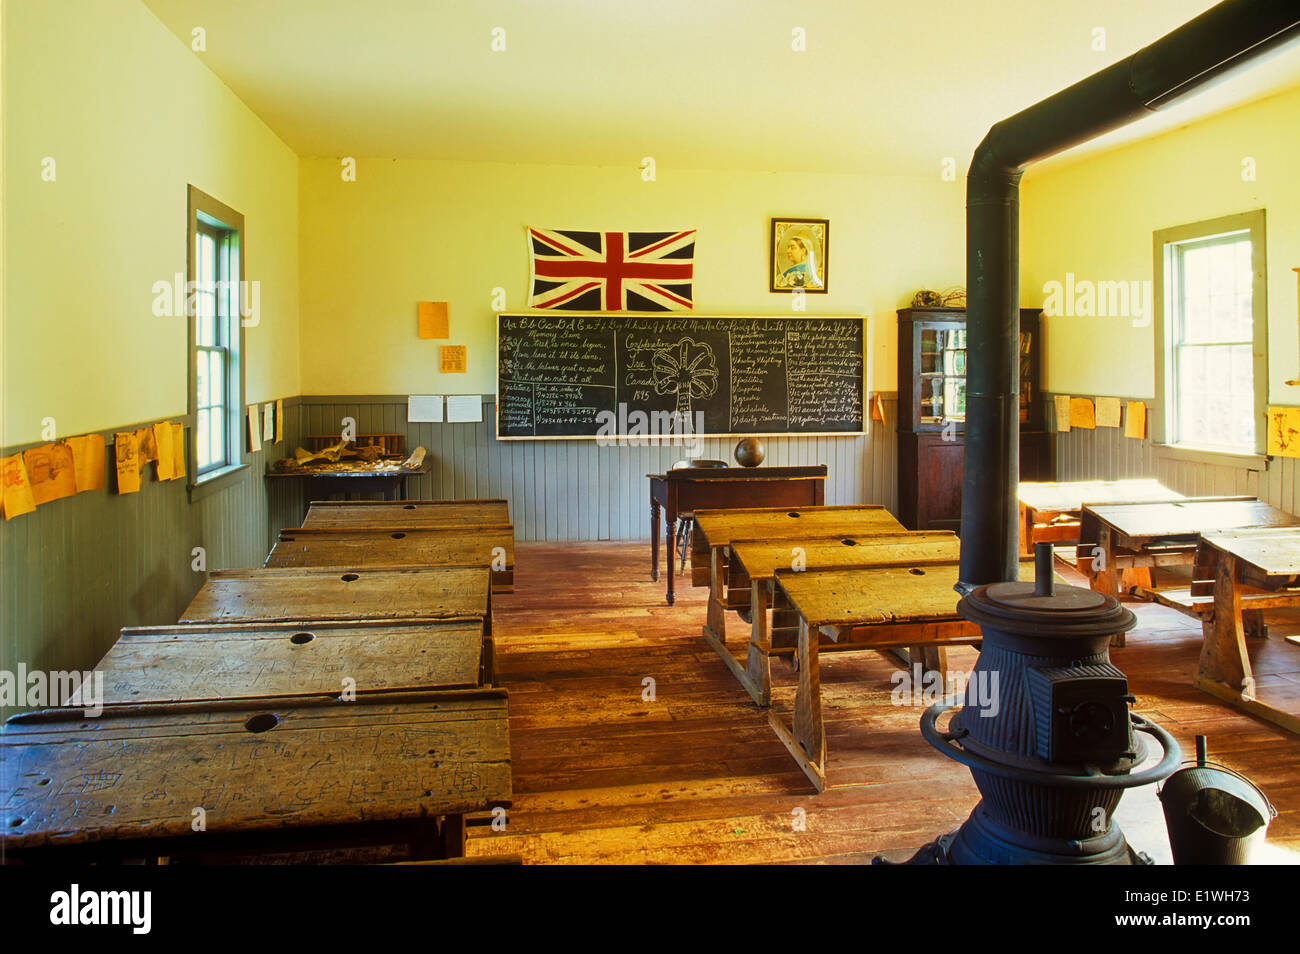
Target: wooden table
{"points": [[412, 513], [754, 563], [1245, 572], [258, 775], [210, 661], [716, 529], [1050, 511], [356, 477], [313, 593], [876, 608], [1114, 538], [690, 489], [489, 545]]}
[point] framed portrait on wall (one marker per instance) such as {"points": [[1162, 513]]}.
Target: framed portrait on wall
{"points": [[798, 255]]}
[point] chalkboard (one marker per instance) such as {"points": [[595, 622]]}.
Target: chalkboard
{"points": [[602, 375]]}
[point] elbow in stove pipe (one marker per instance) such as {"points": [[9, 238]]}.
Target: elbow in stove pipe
{"points": [[1204, 50]]}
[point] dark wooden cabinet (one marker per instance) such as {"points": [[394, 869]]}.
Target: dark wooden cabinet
{"points": [[932, 413]]}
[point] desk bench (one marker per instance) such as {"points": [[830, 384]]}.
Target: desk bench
{"points": [[340, 593], [212, 661], [877, 608], [412, 513], [490, 545], [269, 775], [716, 529]]}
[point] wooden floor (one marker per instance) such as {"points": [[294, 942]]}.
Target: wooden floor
{"points": [[602, 775]]}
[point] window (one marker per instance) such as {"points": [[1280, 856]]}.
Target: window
{"points": [[1211, 365], [216, 337]]}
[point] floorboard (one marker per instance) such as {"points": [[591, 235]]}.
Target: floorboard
{"points": [[605, 774]]}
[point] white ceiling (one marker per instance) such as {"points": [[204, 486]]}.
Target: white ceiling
{"points": [[887, 88]]}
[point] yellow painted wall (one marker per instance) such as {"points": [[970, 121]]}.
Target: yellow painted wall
{"points": [[130, 116], [1096, 218], [434, 230]]}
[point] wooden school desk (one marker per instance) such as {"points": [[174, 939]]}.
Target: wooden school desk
{"points": [[208, 661], [269, 775], [491, 545], [412, 513], [715, 529], [1247, 571], [755, 562], [1114, 538], [1050, 511], [875, 608], [311, 593], [690, 489]]}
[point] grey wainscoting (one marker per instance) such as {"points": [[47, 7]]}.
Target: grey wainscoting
{"points": [[579, 490], [77, 570]]}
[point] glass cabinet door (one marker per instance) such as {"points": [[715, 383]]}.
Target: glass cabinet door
{"points": [[943, 374]]}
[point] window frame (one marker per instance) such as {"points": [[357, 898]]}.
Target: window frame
{"points": [[1166, 244], [206, 214]]}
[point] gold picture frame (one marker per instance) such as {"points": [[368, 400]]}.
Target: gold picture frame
{"points": [[798, 255]]}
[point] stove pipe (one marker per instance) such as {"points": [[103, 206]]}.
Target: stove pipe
{"points": [[1208, 48]]}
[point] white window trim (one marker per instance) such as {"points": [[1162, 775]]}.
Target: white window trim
{"points": [[1253, 222]]}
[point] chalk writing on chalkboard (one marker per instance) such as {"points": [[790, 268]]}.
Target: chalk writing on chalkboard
{"points": [[568, 375]]}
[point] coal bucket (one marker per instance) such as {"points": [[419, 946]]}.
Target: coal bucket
{"points": [[1214, 816]]}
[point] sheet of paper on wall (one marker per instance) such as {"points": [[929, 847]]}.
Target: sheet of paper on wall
{"points": [[1062, 412], [17, 491], [178, 451], [453, 360], [1082, 413], [1108, 412], [126, 455], [424, 408], [1136, 424], [877, 408], [162, 435], [51, 472], [268, 423], [147, 442], [88, 461], [254, 430], [279, 420], [433, 319], [1284, 431], [464, 408]]}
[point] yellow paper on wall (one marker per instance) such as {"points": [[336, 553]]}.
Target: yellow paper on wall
{"points": [[1082, 413], [178, 451], [88, 461], [433, 319], [1284, 431], [1062, 412], [51, 473], [1108, 409], [279, 421], [18, 498], [1136, 425], [162, 435], [254, 430], [147, 446], [126, 453], [453, 359]]}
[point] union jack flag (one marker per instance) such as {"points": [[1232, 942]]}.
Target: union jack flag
{"points": [[611, 271]]}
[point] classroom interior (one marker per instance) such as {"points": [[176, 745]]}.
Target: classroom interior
{"points": [[384, 185]]}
